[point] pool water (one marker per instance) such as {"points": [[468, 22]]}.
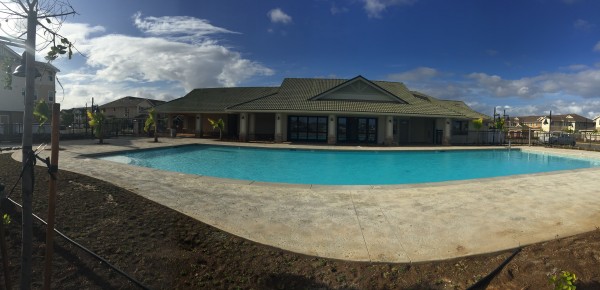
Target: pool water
{"points": [[327, 167]]}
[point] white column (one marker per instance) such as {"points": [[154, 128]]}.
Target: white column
{"points": [[332, 130], [447, 132], [278, 128], [389, 130], [244, 127]]}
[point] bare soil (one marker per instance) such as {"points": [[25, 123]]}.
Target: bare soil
{"points": [[164, 249]]}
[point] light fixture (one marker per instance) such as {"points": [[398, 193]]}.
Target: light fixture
{"points": [[21, 70], [546, 120]]}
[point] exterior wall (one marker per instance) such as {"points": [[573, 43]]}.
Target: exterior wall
{"points": [[12, 99], [578, 126], [120, 112]]}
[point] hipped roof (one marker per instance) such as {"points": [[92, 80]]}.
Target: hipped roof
{"points": [[310, 95]]}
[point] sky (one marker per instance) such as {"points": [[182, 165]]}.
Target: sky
{"points": [[523, 57]]}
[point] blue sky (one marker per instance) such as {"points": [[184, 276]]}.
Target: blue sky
{"points": [[522, 56]]}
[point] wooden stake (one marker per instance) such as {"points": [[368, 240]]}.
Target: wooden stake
{"points": [[52, 196]]}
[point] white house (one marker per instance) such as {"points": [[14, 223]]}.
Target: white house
{"points": [[12, 89]]}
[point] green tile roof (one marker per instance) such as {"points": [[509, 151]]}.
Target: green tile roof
{"points": [[457, 106], [305, 95], [214, 99], [295, 94]]}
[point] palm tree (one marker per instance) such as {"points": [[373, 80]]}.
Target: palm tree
{"points": [[41, 112], [477, 124], [151, 121], [96, 121], [220, 125]]}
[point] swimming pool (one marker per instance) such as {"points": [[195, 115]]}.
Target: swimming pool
{"points": [[333, 167]]}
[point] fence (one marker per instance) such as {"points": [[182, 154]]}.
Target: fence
{"points": [[111, 128], [484, 137]]}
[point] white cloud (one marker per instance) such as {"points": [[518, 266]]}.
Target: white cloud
{"points": [[584, 83], [180, 28], [168, 62], [577, 67], [278, 16], [577, 91], [150, 59], [583, 24], [417, 74], [374, 8], [597, 46], [83, 86], [337, 10], [491, 52]]}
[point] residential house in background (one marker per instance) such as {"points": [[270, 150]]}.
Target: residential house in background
{"points": [[547, 123], [331, 111], [597, 123], [129, 107], [12, 95], [127, 115]]}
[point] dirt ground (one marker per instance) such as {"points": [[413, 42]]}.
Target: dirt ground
{"points": [[164, 249]]}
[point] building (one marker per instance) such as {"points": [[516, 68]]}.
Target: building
{"points": [[129, 107], [332, 111], [597, 123], [547, 123], [12, 89]]}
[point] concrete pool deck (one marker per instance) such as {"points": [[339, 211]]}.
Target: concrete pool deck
{"points": [[400, 223]]}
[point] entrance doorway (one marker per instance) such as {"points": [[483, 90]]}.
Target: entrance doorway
{"points": [[357, 130]]}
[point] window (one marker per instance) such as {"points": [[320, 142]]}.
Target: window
{"points": [[307, 128], [51, 77], [51, 96], [460, 127], [357, 130]]}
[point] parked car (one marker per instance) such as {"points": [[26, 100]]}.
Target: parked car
{"points": [[558, 138]]}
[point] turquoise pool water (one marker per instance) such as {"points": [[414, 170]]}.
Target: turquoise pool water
{"points": [[327, 167]]}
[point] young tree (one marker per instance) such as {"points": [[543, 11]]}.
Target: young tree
{"points": [[218, 125], [18, 18], [477, 124], [41, 113], [152, 121], [500, 124], [96, 120]]}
